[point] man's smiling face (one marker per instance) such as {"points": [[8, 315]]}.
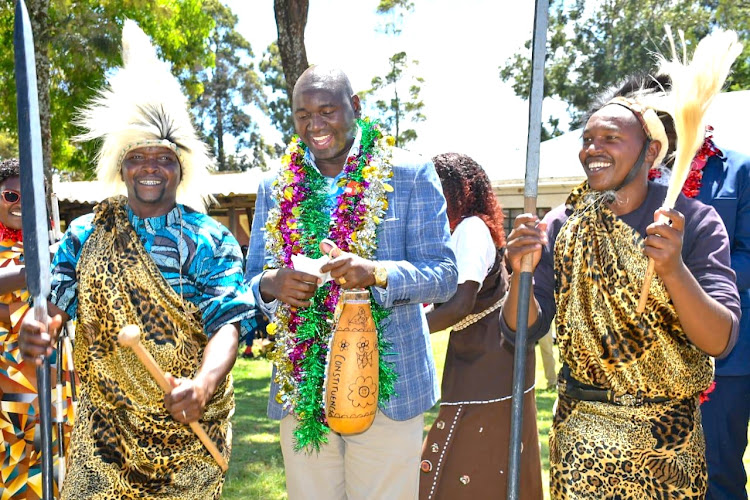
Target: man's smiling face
{"points": [[151, 175], [612, 142], [325, 119]]}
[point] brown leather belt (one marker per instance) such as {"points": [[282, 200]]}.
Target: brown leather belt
{"points": [[584, 392]]}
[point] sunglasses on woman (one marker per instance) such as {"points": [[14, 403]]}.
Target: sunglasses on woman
{"points": [[10, 196]]}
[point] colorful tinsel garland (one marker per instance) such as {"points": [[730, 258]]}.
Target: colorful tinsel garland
{"points": [[301, 218]]}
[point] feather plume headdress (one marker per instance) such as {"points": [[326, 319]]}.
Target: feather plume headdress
{"points": [[143, 105]]}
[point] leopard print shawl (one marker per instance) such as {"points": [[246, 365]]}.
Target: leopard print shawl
{"points": [[125, 443], [599, 268]]}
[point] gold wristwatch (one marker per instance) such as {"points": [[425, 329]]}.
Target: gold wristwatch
{"points": [[381, 277]]}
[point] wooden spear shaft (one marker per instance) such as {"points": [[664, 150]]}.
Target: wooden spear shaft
{"points": [[130, 336]]}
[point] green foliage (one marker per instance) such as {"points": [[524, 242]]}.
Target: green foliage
{"points": [[279, 107], [229, 87], [734, 15], [8, 146], [394, 11], [554, 129], [84, 43], [400, 84], [593, 47], [389, 5]]}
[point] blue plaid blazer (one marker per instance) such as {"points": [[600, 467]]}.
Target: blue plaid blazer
{"points": [[414, 247]]}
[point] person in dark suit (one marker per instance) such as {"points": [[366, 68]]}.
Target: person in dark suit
{"points": [[726, 186]]}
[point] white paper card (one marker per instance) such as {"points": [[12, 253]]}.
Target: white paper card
{"points": [[312, 266]]}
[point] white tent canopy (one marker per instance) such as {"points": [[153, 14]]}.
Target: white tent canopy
{"points": [[559, 156]]}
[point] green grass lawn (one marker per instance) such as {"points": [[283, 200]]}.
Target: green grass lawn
{"points": [[256, 470]]}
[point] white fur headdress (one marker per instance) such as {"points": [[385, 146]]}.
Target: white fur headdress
{"points": [[143, 105]]}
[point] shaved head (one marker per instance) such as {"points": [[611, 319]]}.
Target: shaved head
{"points": [[325, 111], [324, 78]]}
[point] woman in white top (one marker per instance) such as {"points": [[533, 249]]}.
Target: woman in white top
{"points": [[465, 454]]}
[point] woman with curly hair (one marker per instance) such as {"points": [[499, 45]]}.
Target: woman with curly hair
{"points": [[465, 454]]}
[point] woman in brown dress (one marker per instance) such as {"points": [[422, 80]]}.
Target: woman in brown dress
{"points": [[466, 451]]}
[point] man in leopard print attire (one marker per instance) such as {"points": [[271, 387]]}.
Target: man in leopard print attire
{"points": [[153, 260], [627, 423]]}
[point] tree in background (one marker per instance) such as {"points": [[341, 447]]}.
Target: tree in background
{"points": [[279, 105], [395, 9], [38, 17], [734, 15], [291, 19], [76, 43], [229, 86], [396, 110], [593, 47], [8, 146], [403, 102]]}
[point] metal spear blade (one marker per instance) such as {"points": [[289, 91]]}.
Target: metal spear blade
{"points": [[36, 242], [34, 217]]}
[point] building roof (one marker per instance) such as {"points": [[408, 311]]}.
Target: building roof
{"points": [[219, 185]]}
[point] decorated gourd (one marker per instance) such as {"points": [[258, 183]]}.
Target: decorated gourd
{"points": [[351, 385]]}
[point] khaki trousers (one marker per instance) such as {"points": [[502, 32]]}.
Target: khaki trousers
{"points": [[547, 348], [380, 463]]}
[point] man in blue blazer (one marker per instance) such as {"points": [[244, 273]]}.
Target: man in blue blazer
{"points": [[413, 264], [726, 186]]}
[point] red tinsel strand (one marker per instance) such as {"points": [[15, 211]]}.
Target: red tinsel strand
{"points": [[693, 183], [704, 395]]}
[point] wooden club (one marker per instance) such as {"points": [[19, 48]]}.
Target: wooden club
{"points": [[130, 336]]}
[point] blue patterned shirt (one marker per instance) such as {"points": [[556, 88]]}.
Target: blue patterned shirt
{"points": [[207, 253]]}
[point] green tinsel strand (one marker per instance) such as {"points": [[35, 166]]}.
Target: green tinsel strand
{"points": [[314, 325], [315, 217], [386, 369], [310, 435], [370, 135], [311, 431], [314, 317]]}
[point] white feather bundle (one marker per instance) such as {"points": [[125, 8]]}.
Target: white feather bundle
{"points": [[694, 86], [143, 104]]}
